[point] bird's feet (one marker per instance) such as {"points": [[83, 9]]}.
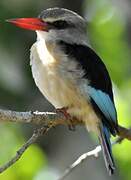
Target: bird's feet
{"points": [[67, 116]]}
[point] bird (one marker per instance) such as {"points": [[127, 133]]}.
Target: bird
{"points": [[71, 75]]}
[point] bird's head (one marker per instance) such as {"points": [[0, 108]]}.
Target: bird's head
{"points": [[56, 24]]}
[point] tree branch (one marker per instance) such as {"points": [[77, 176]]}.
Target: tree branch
{"points": [[93, 153], [38, 118], [48, 120], [37, 133]]}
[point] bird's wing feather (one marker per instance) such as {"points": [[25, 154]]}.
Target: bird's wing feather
{"points": [[104, 103], [100, 86], [104, 106]]}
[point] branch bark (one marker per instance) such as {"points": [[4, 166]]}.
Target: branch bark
{"points": [[38, 118]]}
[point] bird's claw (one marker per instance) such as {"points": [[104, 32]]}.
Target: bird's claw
{"points": [[63, 110]]}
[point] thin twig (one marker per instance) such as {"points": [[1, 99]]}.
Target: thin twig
{"points": [[37, 133], [124, 132], [93, 153]]}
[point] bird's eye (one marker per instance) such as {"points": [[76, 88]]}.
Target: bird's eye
{"points": [[60, 24]]}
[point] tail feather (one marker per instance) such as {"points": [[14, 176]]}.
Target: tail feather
{"points": [[106, 148]]}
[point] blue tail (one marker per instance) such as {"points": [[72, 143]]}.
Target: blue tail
{"points": [[106, 149]]}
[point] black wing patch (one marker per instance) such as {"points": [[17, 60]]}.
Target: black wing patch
{"points": [[95, 69], [98, 76]]}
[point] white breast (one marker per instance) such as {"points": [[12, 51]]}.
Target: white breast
{"points": [[56, 85], [49, 76]]}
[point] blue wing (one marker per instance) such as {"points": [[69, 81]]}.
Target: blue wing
{"points": [[104, 103]]}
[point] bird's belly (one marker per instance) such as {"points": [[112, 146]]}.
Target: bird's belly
{"points": [[62, 92]]}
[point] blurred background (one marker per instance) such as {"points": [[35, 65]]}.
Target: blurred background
{"points": [[110, 35]]}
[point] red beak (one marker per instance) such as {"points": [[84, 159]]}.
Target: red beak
{"points": [[30, 23]]}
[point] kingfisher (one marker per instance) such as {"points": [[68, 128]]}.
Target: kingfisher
{"points": [[71, 75]]}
